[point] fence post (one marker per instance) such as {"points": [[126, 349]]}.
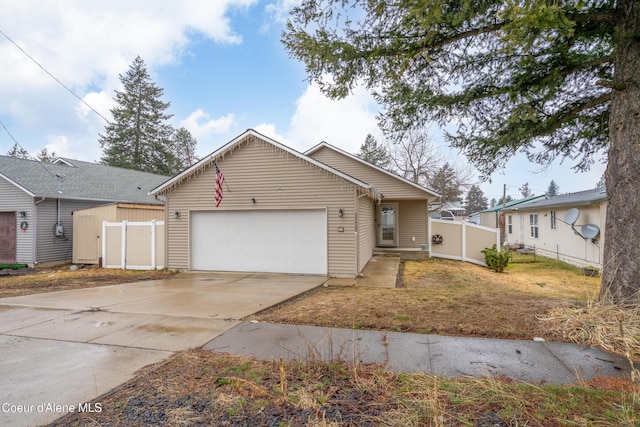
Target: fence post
{"points": [[428, 235], [123, 255], [104, 244], [153, 244], [464, 241]]}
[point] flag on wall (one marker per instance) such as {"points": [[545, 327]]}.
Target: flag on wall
{"points": [[219, 181]]}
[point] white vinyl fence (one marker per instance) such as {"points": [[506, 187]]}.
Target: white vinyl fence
{"points": [[461, 240], [133, 245]]}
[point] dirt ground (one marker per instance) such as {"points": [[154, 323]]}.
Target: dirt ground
{"points": [[18, 282], [202, 388]]}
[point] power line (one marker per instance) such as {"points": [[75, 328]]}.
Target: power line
{"points": [[22, 148], [53, 77]]}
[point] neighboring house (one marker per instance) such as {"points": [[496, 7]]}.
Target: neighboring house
{"points": [[37, 201], [491, 217], [322, 212], [543, 224]]}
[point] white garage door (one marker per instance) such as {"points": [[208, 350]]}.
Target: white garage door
{"points": [[274, 241]]}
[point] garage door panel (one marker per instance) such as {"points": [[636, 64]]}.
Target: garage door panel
{"points": [[264, 241]]}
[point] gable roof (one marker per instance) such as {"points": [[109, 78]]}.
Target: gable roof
{"points": [[79, 180], [252, 135], [512, 203], [580, 198], [324, 144]]}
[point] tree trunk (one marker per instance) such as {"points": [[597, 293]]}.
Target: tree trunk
{"points": [[621, 269]]}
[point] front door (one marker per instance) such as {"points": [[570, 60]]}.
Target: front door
{"points": [[7, 237], [388, 225]]}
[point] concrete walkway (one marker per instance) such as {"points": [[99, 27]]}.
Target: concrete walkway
{"points": [[380, 272], [528, 361]]}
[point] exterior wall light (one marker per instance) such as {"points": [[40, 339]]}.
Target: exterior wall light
{"points": [[340, 212], [176, 214], [253, 200]]}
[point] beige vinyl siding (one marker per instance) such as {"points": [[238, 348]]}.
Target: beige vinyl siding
{"points": [[412, 222], [366, 231], [12, 199], [276, 180], [389, 186], [139, 213]]}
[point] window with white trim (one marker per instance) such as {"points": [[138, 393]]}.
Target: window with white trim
{"points": [[553, 220], [510, 224], [533, 222]]}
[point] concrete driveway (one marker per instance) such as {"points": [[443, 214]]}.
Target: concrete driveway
{"points": [[61, 349]]}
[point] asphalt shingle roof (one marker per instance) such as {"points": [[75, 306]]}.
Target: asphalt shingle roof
{"points": [[580, 198], [81, 180]]}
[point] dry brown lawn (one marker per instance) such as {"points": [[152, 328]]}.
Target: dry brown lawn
{"points": [[450, 298]]}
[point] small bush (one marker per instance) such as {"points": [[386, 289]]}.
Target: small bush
{"points": [[495, 260]]}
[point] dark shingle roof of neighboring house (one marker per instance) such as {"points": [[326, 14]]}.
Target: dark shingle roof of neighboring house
{"points": [[580, 198], [513, 203], [80, 180]]}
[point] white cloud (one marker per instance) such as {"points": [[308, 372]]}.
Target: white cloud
{"points": [[269, 129], [86, 45], [202, 126], [278, 12], [344, 123]]}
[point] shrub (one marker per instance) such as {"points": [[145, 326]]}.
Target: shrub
{"points": [[496, 260]]}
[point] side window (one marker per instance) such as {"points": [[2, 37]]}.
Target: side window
{"points": [[553, 220], [510, 224], [533, 223]]}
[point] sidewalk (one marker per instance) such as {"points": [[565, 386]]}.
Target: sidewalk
{"points": [[528, 361]]}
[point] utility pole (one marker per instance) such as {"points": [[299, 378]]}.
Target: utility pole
{"points": [[504, 196]]}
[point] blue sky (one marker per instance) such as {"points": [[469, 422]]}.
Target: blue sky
{"points": [[221, 66]]}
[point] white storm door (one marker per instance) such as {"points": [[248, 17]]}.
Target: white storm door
{"points": [[388, 224]]}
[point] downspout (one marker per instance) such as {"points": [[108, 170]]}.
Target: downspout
{"points": [[357, 229], [34, 231]]}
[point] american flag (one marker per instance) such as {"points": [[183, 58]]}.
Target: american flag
{"points": [[219, 181]]}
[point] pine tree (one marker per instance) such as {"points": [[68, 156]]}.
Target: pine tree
{"points": [[45, 157], [506, 200], [19, 152], [446, 182], [184, 148], [602, 183], [374, 153], [525, 190], [493, 202], [139, 136], [552, 189], [476, 201]]}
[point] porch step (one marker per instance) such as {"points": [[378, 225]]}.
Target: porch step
{"points": [[405, 254]]}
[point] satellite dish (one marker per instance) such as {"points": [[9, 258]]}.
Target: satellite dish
{"points": [[590, 231], [571, 216]]}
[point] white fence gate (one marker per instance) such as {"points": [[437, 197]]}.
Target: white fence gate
{"points": [[461, 240], [133, 245]]}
